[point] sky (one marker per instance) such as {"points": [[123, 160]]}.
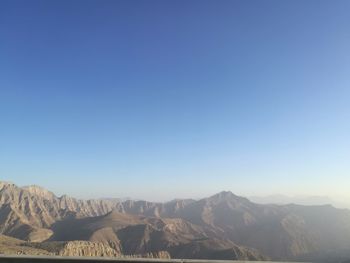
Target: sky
{"points": [[165, 99]]}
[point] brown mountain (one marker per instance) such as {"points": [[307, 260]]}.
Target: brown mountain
{"points": [[29, 212], [221, 226], [35, 214], [279, 231]]}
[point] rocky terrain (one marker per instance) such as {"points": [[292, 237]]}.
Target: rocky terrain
{"points": [[223, 226], [9, 245]]}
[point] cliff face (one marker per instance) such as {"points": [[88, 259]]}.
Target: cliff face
{"points": [[88, 249], [100, 249]]}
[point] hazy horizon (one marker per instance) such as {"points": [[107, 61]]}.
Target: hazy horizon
{"points": [[164, 100], [274, 198]]}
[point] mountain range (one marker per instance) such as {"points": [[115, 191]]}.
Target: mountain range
{"points": [[222, 226]]}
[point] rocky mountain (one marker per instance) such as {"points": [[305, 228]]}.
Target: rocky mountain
{"points": [[28, 212], [281, 232], [223, 226]]}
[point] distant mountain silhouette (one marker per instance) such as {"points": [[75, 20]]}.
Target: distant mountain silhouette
{"points": [[300, 200]]}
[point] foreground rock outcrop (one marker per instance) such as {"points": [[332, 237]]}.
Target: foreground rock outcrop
{"points": [[87, 249]]}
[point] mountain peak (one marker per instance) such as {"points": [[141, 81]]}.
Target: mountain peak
{"points": [[227, 196], [224, 195]]}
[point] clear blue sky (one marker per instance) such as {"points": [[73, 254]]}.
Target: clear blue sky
{"points": [[164, 99]]}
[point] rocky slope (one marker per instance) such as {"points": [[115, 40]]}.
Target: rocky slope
{"points": [[87, 249], [9, 245], [13, 246]]}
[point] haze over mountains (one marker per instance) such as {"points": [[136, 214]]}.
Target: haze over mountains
{"points": [[300, 200], [223, 226]]}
